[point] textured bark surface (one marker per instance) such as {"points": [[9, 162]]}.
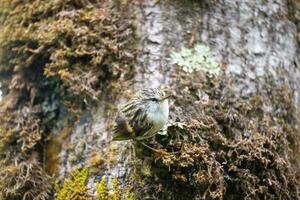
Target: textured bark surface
{"points": [[248, 38]]}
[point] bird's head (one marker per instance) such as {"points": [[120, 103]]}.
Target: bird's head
{"points": [[154, 99]]}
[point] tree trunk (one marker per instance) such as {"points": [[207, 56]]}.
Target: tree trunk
{"points": [[256, 44]]}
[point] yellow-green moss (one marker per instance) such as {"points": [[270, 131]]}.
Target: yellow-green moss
{"points": [[129, 195], [76, 187], [117, 194], [103, 194], [102, 189]]}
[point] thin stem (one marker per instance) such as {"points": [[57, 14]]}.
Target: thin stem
{"points": [[157, 150]]}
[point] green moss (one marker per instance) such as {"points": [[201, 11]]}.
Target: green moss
{"points": [[74, 188], [102, 189], [103, 194], [116, 194], [129, 195]]}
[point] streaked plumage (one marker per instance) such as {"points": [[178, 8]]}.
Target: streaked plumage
{"points": [[142, 116]]}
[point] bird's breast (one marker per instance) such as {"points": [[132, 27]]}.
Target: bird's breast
{"points": [[159, 116]]}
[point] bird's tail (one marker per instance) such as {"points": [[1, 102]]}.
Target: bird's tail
{"points": [[119, 137], [122, 130]]}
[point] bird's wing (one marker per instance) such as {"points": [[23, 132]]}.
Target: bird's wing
{"points": [[122, 130], [139, 123], [131, 123]]}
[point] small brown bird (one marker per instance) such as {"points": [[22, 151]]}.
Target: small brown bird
{"points": [[142, 116]]}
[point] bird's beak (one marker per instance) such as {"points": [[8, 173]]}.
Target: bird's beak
{"points": [[165, 97]]}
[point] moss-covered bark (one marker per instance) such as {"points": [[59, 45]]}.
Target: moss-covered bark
{"points": [[229, 147], [64, 65], [54, 55]]}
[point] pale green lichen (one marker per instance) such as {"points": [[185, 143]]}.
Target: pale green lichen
{"points": [[197, 58]]}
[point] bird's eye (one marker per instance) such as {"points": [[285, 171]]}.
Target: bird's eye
{"points": [[153, 99]]}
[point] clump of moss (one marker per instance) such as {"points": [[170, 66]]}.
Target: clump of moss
{"points": [[102, 190], [129, 195], [24, 178], [103, 194], [231, 147], [50, 52], [116, 194], [80, 43], [95, 46], [20, 169], [75, 188]]}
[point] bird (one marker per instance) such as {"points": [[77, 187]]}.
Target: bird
{"points": [[142, 116]]}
